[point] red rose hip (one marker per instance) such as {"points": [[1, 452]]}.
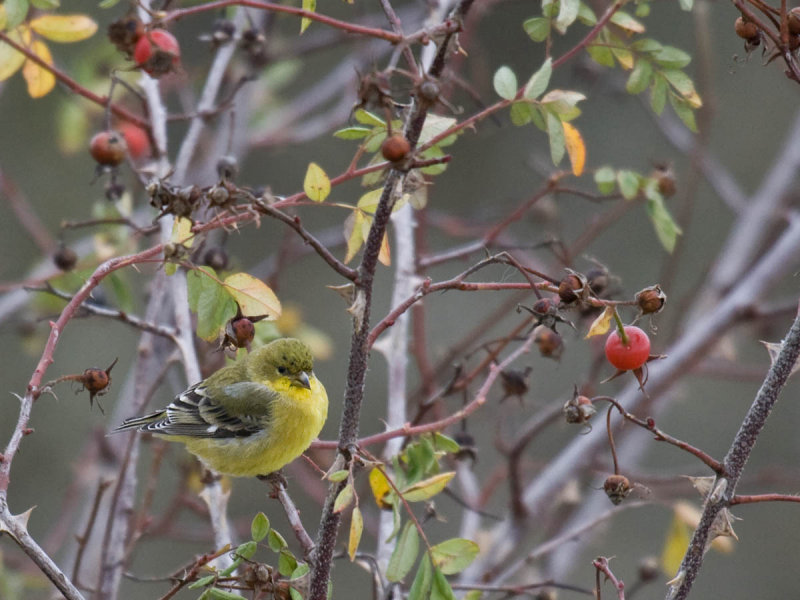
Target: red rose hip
{"points": [[157, 52], [630, 356]]}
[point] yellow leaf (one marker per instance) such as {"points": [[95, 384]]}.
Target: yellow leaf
{"points": [[380, 488], [675, 544], [602, 323], [3, 17], [64, 28], [316, 184], [10, 59], [427, 488], [354, 233], [310, 6], [369, 201], [356, 528], [254, 297], [384, 254], [40, 81], [576, 149], [182, 232]]}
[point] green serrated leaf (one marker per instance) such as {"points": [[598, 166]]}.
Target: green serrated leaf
{"points": [[210, 300], [684, 86], [640, 77], [259, 528], [352, 133], [344, 498], [367, 118], [247, 550], [202, 582], [567, 13], [666, 228], [555, 133], [423, 580], [454, 555], [627, 22], [108, 3], [405, 553], [521, 113], [505, 83], [16, 11], [586, 15], [563, 103], [683, 110], [301, 570], [445, 443], [628, 182], [287, 563], [295, 594], [648, 45], [427, 488], [276, 541], [658, 94], [606, 180], [440, 589], [670, 57], [433, 152], [602, 55], [340, 475], [537, 28], [539, 81], [538, 117]]}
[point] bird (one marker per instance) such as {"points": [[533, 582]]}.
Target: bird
{"points": [[248, 419]]}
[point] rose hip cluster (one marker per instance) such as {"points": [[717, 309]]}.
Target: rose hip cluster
{"points": [[156, 51]]}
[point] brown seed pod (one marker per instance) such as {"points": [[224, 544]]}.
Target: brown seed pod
{"points": [[395, 147], [617, 488], [746, 30], [794, 21], [578, 409], [515, 383], [240, 332], [125, 32], [665, 178], [651, 299], [549, 342], [571, 287], [96, 382]]}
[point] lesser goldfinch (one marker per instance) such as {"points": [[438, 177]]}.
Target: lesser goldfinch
{"points": [[250, 418]]}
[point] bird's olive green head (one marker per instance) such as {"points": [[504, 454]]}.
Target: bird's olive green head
{"points": [[286, 357]]}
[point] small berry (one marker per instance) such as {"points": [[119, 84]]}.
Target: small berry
{"points": [[630, 356], [65, 258], [137, 140], [395, 147], [227, 167], [549, 342], [95, 380], [651, 299], [108, 148], [216, 258], [157, 53], [794, 21], [617, 488], [571, 287], [746, 30]]}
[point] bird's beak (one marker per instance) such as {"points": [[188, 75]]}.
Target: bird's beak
{"points": [[301, 379]]}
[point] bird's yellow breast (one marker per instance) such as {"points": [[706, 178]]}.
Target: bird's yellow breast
{"points": [[296, 418]]}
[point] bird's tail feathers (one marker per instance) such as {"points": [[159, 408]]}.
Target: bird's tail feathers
{"points": [[139, 422]]}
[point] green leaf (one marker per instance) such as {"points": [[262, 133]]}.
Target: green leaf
{"points": [[628, 182], [16, 11], [108, 3], [567, 13], [606, 180], [454, 555], [538, 117], [436, 125], [505, 83], [648, 45], [316, 183], [666, 227], [670, 57], [202, 582], [640, 77], [683, 110], [301, 570], [218, 594], [405, 553], [602, 55], [427, 488], [684, 86], [441, 590], [340, 475], [254, 297], [539, 81], [295, 594], [555, 132], [356, 529], [367, 118], [563, 103], [627, 22], [10, 59], [658, 94], [310, 6], [586, 15], [537, 28], [259, 528], [368, 202], [287, 563], [352, 133], [445, 443], [420, 588], [642, 10], [521, 113], [210, 301], [46, 4], [276, 541], [344, 498], [247, 550]]}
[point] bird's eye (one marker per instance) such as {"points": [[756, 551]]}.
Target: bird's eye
{"points": [[283, 370]]}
